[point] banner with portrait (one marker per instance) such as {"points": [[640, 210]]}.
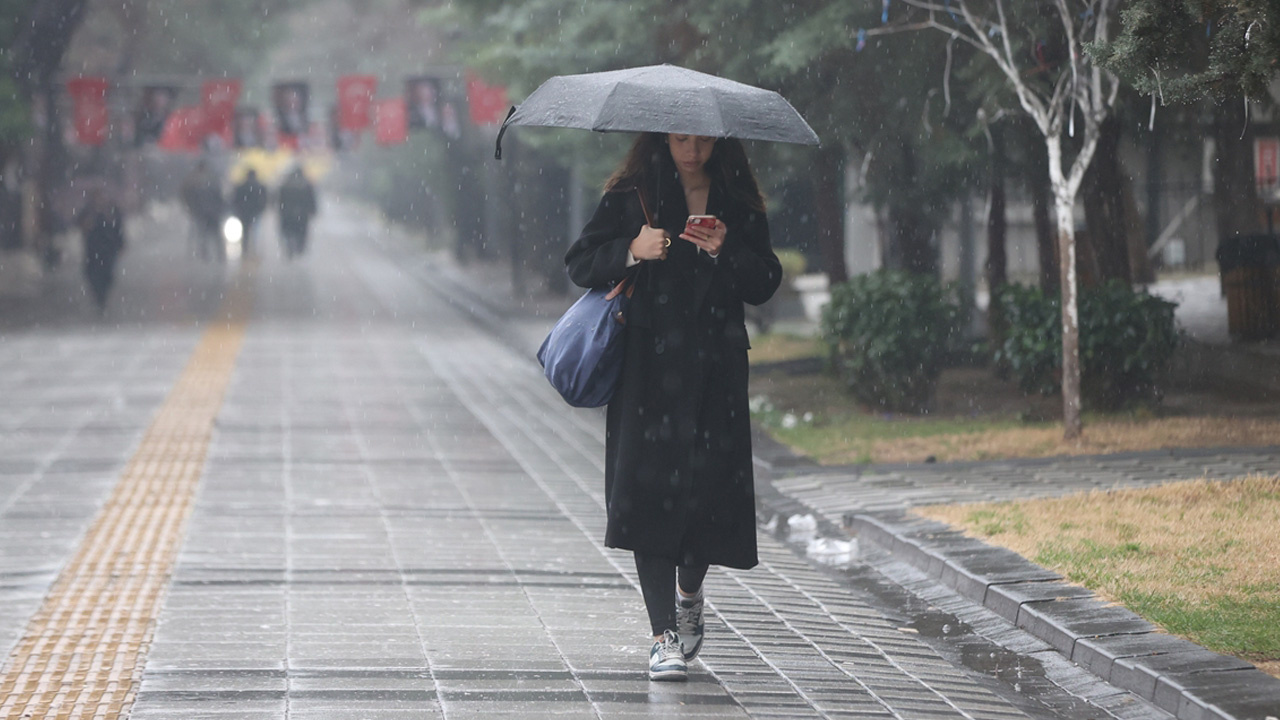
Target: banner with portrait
{"points": [[290, 102], [249, 130], [154, 106], [422, 102]]}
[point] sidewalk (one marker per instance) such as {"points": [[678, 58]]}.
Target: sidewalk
{"points": [[868, 504], [397, 517], [400, 519]]}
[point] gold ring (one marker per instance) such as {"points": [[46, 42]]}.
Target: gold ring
{"points": [[668, 239]]}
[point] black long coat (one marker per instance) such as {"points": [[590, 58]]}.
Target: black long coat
{"points": [[678, 471]]}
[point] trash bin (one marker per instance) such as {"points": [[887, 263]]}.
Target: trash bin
{"points": [[1250, 271]]}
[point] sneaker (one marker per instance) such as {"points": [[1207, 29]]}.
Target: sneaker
{"points": [[666, 661], [689, 625]]}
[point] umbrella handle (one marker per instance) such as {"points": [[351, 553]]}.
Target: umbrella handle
{"points": [[497, 146]]}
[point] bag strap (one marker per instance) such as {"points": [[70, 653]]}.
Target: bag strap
{"points": [[626, 284]]}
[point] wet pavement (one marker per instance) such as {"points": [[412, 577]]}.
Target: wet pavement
{"points": [[396, 517]]}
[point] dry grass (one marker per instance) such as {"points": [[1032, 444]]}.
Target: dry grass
{"points": [[1200, 559], [1100, 437]]}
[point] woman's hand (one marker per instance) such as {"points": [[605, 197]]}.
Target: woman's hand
{"points": [[650, 244], [709, 239]]}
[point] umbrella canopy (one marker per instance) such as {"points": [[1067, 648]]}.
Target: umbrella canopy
{"points": [[660, 98]]}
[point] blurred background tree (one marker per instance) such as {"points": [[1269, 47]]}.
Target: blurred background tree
{"points": [[1222, 52]]}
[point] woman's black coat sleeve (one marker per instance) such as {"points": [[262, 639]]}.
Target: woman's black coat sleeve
{"points": [[599, 256], [748, 255]]}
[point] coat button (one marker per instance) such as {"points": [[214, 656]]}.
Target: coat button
{"points": [[662, 299], [659, 347]]}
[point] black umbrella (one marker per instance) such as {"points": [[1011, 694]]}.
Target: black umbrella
{"points": [[660, 98]]}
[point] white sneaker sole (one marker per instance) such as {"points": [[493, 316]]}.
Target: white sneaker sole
{"points": [[676, 675]]}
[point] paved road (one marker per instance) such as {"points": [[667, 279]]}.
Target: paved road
{"points": [[395, 517]]}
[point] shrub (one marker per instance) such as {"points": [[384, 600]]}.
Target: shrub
{"points": [[887, 334], [1126, 339]]}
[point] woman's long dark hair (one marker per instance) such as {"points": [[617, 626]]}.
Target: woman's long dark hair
{"points": [[650, 155]]}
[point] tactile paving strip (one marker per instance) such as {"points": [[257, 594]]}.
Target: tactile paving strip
{"points": [[83, 651]]}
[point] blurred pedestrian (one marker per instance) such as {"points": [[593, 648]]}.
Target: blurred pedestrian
{"points": [[297, 200], [248, 202], [678, 473], [202, 195], [102, 230]]}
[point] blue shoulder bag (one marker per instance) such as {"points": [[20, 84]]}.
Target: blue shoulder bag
{"points": [[582, 355]]}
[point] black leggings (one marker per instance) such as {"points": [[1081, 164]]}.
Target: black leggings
{"points": [[658, 583]]}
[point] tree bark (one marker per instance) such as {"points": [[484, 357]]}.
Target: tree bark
{"points": [[997, 266], [1064, 202], [1236, 206], [1111, 214], [38, 49], [912, 231], [828, 194], [1041, 200], [37, 54]]}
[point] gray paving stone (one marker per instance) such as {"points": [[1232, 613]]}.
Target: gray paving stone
{"points": [[398, 518]]}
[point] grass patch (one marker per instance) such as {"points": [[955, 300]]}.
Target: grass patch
{"points": [[976, 416], [781, 347], [1199, 559]]}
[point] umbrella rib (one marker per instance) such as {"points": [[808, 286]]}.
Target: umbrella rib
{"points": [[724, 127], [612, 91]]}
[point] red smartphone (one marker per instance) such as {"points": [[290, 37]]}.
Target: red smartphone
{"points": [[705, 221]]}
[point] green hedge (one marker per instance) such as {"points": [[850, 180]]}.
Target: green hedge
{"points": [[887, 335], [1126, 339]]}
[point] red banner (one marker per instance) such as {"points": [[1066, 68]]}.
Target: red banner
{"points": [[1266, 163], [392, 122], [185, 130], [89, 109], [355, 101], [488, 103], [218, 101]]}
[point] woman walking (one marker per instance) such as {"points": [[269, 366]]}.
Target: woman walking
{"points": [[678, 473]]}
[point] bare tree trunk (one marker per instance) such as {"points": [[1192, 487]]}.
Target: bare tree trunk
{"points": [[1064, 205], [997, 267], [1109, 209], [10, 202], [37, 54], [1235, 199], [912, 230], [1080, 90], [1041, 194], [828, 191]]}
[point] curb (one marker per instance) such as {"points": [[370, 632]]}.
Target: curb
{"points": [[1177, 676]]}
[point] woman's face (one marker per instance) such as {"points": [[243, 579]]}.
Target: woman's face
{"points": [[690, 152]]}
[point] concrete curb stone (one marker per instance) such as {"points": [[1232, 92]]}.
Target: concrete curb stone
{"points": [[1176, 675]]}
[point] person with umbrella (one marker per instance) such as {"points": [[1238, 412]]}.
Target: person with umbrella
{"points": [[102, 227], [678, 473], [679, 485]]}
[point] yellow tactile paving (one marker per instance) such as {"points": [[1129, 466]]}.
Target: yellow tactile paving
{"points": [[83, 651]]}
